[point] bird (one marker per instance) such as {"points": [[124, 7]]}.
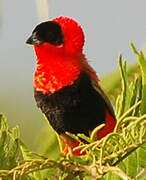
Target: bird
{"points": [[66, 87]]}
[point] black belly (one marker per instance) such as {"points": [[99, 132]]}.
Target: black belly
{"points": [[77, 108]]}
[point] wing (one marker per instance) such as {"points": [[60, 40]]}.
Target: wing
{"points": [[97, 87], [88, 69]]}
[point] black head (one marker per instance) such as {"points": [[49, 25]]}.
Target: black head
{"points": [[46, 32]]}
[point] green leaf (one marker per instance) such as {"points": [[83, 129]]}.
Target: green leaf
{"points": [[3, 138], [9, 146], [12, 153], [25, 151], [141, 156], [112, 176], [15, 132], [142, 64], [131, 165], [3, 123], [125, 97]]}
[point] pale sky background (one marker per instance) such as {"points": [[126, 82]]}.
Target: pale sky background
{"points": [[109, 25]]}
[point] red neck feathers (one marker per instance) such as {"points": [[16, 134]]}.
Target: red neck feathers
{"points": [[54, 69], [60, 66]]}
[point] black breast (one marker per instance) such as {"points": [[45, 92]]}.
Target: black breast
{"points": [[77, 108]]}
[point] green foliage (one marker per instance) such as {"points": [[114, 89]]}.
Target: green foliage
{"points": [[119, 155], [9, 148], [112, 81], [142, 64]]}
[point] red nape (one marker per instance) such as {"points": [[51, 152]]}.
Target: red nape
{"points": [[73, 34], [109, 126], [77, 152]]}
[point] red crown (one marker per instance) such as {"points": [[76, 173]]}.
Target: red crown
{"points": [[73, 34]]}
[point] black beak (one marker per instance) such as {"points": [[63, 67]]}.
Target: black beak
{"points": [[33, 40], [30, 41]]}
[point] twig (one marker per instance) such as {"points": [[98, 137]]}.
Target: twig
{"points": [[115, 170], [129, 110], [141, 174]]}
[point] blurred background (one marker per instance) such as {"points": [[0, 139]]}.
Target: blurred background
{"points": [[108, 27]]}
